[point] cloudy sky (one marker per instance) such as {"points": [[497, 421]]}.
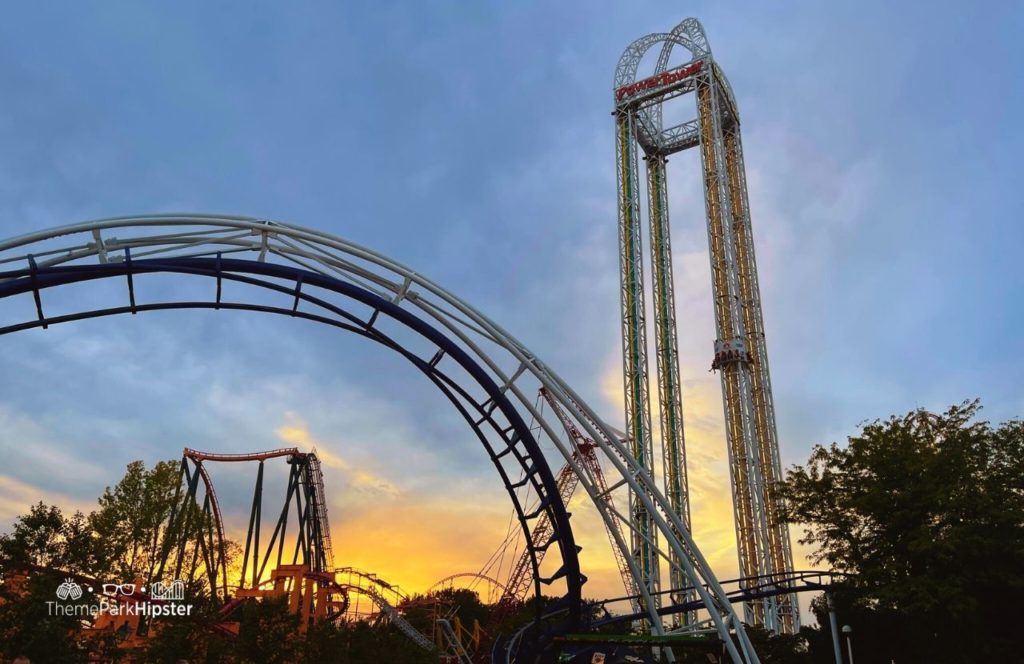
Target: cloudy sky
{"points": [[473, 142]]}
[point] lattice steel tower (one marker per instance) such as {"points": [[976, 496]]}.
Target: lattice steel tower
{"points": [[740, 352]]}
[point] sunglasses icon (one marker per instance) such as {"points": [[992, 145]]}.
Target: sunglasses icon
{"points": [[119, 588]]}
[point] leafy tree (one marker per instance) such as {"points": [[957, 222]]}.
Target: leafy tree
{"points": [[776, 648], [83, 550], [191, 637], [122, 540], [27, 627], [38, 539], [363, 642], [926, 512], [131, 516], [466, 604], [266, 632], [327, 642]]}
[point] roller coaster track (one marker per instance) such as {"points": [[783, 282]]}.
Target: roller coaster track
{"points": [[305, 486], [396, 618], [369, 584], [519, 580], [197, 455], [319, 498], [475, 577], [218, 519], [746, 589], [585, 447], [489, 377], [357, 578]]}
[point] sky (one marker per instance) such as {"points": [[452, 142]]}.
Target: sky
{"points": [[473, 142]]}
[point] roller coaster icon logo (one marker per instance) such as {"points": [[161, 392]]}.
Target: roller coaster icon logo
{"points": [[173, 591]]}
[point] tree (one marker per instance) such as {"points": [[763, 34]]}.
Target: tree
{"points": [[120, 541], [28, 628], [926, 512], [360, 641], [266, 632], [191, 637], [37, 539], [46, 538], [131, 516]]}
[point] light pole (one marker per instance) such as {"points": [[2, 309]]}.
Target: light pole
{"points": [[834, 624], [847, 630]]}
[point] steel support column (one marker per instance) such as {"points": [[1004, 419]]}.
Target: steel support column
{"points": [[740, 353], [670, 400], [634, 346]]}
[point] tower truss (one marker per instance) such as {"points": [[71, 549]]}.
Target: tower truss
{"points": [[740, 352]]}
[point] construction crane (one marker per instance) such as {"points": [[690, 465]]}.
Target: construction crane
{"points": [[521, 578], [584, 447]]}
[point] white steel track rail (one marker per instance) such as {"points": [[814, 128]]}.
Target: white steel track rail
{"points": [[512, 366]]}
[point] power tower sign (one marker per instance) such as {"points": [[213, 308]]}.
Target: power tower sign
{"points": [[740, 354]]}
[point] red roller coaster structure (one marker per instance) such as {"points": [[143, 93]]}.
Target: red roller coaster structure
{"points": [[518, 585]]}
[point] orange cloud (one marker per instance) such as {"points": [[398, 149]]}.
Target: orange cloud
{"points": [[415, 543], [408, 539], [355, 479], [16, 497]]}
